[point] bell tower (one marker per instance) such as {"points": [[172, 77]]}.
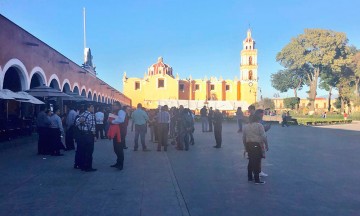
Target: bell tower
{"points": [[248, 70]]}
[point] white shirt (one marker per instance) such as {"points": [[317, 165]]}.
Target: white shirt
{"points": [[99, 117], [120, 118]]}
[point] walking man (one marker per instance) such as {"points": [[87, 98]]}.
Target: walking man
{"points": [[204, 120], [140, 119]]}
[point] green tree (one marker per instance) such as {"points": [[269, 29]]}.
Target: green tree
{"points": [[328, 82], [292, 102], [313, 52], [265, 103], [287, 79], [356, 69]]}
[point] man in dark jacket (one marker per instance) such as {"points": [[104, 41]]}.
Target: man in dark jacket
{"points": [[43, 123], [218, 118], [210, 119]]}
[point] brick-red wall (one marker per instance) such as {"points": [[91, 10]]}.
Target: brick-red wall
{"points": [[13, 45]]}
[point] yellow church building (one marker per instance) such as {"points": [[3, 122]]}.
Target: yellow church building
{"points": [[159, 86]]}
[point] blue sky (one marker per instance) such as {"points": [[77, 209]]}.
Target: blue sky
{"points": [[197, 38]]}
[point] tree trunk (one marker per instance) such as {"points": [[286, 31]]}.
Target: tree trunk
{"points": [[357, 86], [342, 104], [298, 104], [313, 87], [295, 92], [329, 99]]}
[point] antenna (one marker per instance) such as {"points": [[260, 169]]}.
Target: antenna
{"points": [[84, 28]]}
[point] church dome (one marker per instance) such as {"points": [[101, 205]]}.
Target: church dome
{"points": [[160, 68]]}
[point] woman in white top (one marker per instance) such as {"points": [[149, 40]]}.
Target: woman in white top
{"points": [[254, 140]]}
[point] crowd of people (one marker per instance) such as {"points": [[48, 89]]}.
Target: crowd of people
{"points": [[175, 126]]}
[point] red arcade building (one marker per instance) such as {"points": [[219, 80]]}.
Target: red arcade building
{"points": [[27, 62]]}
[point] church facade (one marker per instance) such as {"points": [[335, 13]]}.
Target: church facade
{"points": [[160, 84]]}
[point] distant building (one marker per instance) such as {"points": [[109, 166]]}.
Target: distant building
{"points": [[160, 84], [321, 104]]}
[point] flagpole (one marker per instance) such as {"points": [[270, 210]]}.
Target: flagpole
{"points": [[84, 28]]}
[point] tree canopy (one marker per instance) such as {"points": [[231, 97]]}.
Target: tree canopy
{"points": [[316, 52]]}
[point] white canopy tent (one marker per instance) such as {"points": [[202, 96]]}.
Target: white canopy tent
{"points": [[198, 104]]}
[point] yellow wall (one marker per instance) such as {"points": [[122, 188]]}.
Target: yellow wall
{"points": [[249, 93], [202, 92], [149, 93], [321, 104]]}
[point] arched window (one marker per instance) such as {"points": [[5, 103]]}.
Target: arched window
{"points": [[250, 75], [250, 47], [246, 47], [250, 60]]}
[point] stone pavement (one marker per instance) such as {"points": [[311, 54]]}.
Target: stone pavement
{"points": [[312, 171]]}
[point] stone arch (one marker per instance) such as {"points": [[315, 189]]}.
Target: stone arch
{"points": [[76, 86], [20, 71], [89, 95], [83, 93], [66, 86], [76, 90], [54, 82], [102, 99], [37, 77], [99, 98], [95, 97]]}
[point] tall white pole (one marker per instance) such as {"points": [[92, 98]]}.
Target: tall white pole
{"points": [[84, 28]]}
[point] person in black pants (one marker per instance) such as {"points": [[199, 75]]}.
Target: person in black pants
{"points": [[163, 120], [124, 126], [86, 126], [254, 140], [43, 123], [218, 118], [210, 119], [119, 146]]}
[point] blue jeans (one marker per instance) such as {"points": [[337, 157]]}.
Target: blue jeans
{"points": [[204, 124], [240, 124], [140, 130]]}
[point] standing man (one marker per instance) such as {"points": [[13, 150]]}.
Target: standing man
{"points": [[204, 123], [239, 116], [163, 120], [69, 136], [119, 146], [43, 123], [218, 118], [124, 126], [99, 119], [86, 125], [140, 119], [56, 132], [210, 119]]}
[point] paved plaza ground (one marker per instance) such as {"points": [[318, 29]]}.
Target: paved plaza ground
{"points": [[312, 171]]}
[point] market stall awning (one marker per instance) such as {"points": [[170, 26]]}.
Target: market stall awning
{"points": [[31, 99], [45, 91], [7, 94]]}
